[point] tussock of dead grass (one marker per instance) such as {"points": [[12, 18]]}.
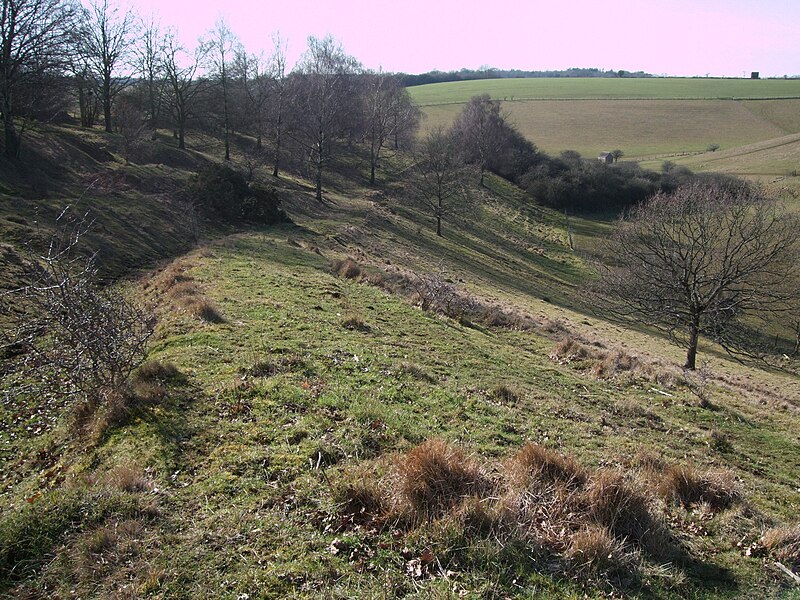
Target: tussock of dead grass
{"points": [[592, 521], [354, 322], [347, 268], [434, 477], [537, 462], [128, 478], [204, 309], [783, 543], [158, 372], [416, 372], [505, 393], [619, 504], [594, 549], [174, 283], [613, 363], [687, 486]]}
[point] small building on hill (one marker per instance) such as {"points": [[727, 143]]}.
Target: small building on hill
{"points": [[606, 157]]}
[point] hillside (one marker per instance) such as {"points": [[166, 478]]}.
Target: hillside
{"points": [[651, 120], [241, 466]]}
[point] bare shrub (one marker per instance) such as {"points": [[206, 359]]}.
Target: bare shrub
{"points": [[435, 293], [82, 339], [434, 476], [687, 486], [783, 543]]}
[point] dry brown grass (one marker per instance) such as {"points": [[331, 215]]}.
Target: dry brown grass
{"points": [[593, 522], [434, 477], [594, 549], [416, 372], [620, 505], [354, 322], [537, 462], [128, 478], [347, 268], [505, 393], [183, 289], [614, 363], [687, 486], [154, 371], [783, 543], [204, 309]]}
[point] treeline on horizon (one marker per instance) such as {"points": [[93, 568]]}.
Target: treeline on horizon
{"points": [[492, 73], [101, 66]]}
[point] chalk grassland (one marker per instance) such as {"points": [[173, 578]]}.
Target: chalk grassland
{"points": [[616, 89]]}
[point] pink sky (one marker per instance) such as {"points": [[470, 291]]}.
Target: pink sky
{"points": [[677, 37]]}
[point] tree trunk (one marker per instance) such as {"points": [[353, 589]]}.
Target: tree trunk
{"points": [[694, 336], [11, 135], [319, 182], [107, 105], [277, 147], [482, 172], [439, 217]]}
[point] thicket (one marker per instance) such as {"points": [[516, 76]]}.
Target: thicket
{"points": [[220, 191]]}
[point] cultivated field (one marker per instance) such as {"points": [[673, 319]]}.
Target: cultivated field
{"points": [[649, 119], [601, 88]]}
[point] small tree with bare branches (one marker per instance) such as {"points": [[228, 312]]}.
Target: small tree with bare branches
{"points": [[73, 337], [438, 173], [712, 259]]}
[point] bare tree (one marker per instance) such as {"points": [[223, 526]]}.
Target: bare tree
{"points": [[34, 36], [148, 58], [323, 100], [220, 48], [106, 39], [384, 97], [252, 73], [180, 70], [480, 129], [617, 154], [438, 174], [276, 115], [712, 259], [406, 117]]}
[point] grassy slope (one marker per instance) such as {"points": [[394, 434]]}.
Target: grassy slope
{"points": [[232, 455]]}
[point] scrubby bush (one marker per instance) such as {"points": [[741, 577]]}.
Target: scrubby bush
{"points": [[219, 191]]}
